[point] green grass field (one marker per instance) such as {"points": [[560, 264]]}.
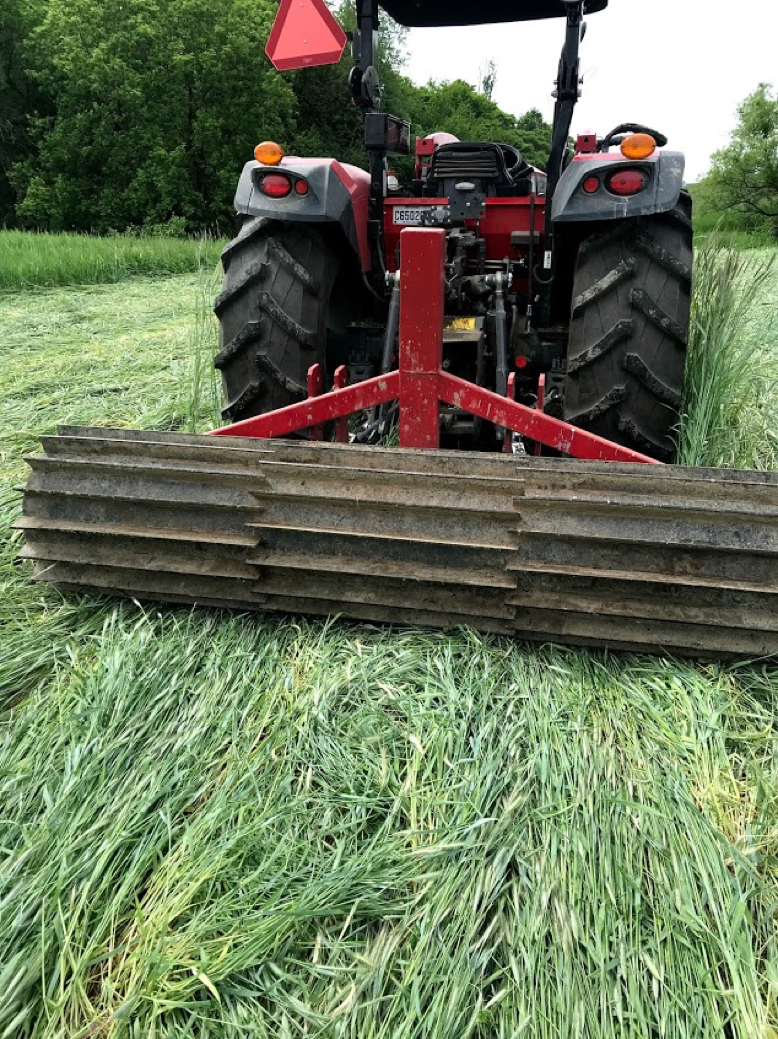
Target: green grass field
{"points": [[729, 227], [236, 826], [30, 260]]}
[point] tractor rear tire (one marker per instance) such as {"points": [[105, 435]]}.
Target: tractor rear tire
{"points": [[272, 314], [629, 331]]}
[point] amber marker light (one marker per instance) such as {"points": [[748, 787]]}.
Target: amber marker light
{"points": [[638, 146], [268, 153]]}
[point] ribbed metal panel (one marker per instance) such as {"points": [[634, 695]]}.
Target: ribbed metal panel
{"points": [[649, 558], [477, 163]]}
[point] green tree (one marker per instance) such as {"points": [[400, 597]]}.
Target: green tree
{"points": [[18, 97], [157, 105], [117, 113], [460, 109], [487, 78], [744, 175]]}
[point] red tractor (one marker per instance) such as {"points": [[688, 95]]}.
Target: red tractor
{"points": [[491, 280], [576, 279]]}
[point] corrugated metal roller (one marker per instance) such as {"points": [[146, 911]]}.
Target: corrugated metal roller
{"points": [[649, 558]]}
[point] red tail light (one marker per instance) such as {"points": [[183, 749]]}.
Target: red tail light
{"points": [[591, 185], [301, 187], [276, 185], [626, 182]]}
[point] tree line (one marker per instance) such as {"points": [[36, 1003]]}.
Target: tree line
{"points": [[141, 113], [742, 185]]}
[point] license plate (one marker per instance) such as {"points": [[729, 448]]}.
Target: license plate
{"points": [[409, 214]]}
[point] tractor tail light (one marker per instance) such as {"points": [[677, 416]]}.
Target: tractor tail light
{"points": [[276, 185], [301, 187], [626, 182], [268, 153], [591, 185], [638, 146]]}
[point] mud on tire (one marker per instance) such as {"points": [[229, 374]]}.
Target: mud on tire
{"points": [[629, 331], [272, 314]]}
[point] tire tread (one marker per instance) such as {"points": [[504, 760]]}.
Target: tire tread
{"points": [[629, 331], [272, 314]]}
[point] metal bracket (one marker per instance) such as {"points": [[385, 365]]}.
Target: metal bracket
{"points": [[421, 384]]}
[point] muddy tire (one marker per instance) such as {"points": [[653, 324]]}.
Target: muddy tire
{"points": [[272, 314], [629, 331]]}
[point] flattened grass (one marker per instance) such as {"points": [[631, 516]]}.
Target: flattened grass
{"points": [[102, 355], [229, 827], [40, 259], [105, 355], [233, 827]]}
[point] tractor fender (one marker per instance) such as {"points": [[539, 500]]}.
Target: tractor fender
{"points": [[337, 194], [572, 204]]}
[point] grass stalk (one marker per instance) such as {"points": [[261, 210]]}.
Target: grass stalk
{"points": [[730, 404]]}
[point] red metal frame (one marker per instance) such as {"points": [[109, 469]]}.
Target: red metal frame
{"points": [[421, 384], [422, 286], [315, 383], [503, 216], [341, 424]]}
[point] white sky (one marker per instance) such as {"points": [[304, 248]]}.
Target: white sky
{"points": [[681, 66]]}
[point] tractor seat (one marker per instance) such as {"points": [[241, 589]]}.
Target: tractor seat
{"points": [[497, 168]]}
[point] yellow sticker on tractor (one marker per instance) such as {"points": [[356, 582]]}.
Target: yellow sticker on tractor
{"points": [[460, 324]]}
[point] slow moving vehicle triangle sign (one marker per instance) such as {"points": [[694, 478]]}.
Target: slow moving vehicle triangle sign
{"points": [[304, 33]]}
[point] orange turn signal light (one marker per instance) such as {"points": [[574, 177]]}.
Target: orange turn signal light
{"points": [[268, 153], [638, 146]]}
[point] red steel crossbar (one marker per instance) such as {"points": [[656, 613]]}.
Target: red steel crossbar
{"points": [[421, 384]]}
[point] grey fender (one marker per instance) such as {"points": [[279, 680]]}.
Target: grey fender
{"points": [[572, 204], [337, 195]]}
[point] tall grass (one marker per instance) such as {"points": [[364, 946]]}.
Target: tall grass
{"points": [[731, 397], [41, 260], [733, 230], [205, 388]]}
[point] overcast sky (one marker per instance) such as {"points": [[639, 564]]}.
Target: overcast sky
{"points": [[681, 66]]}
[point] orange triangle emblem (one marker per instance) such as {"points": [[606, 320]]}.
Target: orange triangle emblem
{"points": [[304, 33]]}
